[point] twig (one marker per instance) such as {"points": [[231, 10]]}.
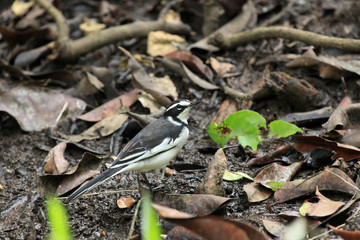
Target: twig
{"points": [[235, 25], [235, 94], [79, 47], [132, 227], [276, 17], [70, 50], [60, 20], [318, 40]]}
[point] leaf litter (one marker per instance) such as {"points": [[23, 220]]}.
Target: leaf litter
{"points": [[90, 88]]}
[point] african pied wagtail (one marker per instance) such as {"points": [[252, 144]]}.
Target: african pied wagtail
{"points": [[152, 148]]}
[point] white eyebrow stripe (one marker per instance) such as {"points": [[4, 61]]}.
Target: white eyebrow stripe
{"points": [[182, 103]]}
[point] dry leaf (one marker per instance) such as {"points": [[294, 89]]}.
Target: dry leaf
{"points": [[220, 67], [37, 108], [89, 26], [161, 43], [125, 202], [20, 7], [55, 160], [322, 208]]}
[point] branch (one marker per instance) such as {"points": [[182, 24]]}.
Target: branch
{"points": [[59, 19], [317, 40], [74, 49], [69, 50]]}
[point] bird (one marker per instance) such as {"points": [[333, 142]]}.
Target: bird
{"points": [[151, 149]]}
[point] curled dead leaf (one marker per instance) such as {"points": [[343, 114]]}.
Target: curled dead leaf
{"points": [[346, 117], [55, 160]]}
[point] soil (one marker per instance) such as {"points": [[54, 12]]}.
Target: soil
{"points": [[22, 154]]}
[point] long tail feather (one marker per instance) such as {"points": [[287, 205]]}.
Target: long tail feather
{"points": [[108, 173]]}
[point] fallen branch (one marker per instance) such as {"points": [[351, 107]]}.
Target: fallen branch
{"points": [[59, 19], [234, 93], [317, 40], [235, 25], [69, 50]]}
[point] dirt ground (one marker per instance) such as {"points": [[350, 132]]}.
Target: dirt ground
{"points": [[22, 154]]}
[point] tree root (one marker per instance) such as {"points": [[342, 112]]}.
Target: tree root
{"points": [[70, 50], [233, 40]]}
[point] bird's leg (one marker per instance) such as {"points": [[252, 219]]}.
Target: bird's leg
{"points": [[140, 188], [147, 181], [162, 171]]}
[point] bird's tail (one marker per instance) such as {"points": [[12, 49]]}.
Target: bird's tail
{"points": [[108, 173]]}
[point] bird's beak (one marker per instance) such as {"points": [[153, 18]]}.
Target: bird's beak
{"points": [[195, 103]]}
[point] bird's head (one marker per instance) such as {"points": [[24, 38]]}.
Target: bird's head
{"points": [[179, 109]]}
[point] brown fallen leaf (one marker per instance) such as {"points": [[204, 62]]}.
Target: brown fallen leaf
{"points": [[14, 38], [329, 67], [160, 43], [220, 67], [277, 173], [89, 26], [179, 232], [331, 179], [256, 192], [199, 204], [88, 85], [55, 160], [102, 128], [211, 227], [107, 78], [352, 137], [88, 166], [36, 108], [322, 206], [270, 156], [143, 81], [125, 202], [275, 228], [64, 76], [109, 108], [308, 143], [346, 117], [194, 63], [346, 234], [169, 172], [213, 179], [20, 8], [26, 58], [176, 65]]}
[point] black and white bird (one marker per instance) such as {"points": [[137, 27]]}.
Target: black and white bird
{"points": [[151, 149]]}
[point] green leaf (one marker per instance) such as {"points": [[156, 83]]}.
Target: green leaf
{"points": [[245, 126], [242, 125], [281, 128], [275, 185], [234, 176], [58, 219], [150, 227], [219, 133]]}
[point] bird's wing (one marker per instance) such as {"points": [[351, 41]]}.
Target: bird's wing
{"points": [[149, 142]]}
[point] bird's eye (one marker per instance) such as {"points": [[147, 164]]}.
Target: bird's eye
{"points": [[179, 107]]}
